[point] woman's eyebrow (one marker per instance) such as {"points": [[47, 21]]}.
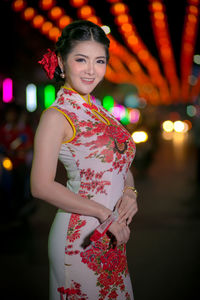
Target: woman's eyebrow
{"points": [[88, 56]]}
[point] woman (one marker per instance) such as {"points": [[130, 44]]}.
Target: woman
{"points": [[96, 152]]}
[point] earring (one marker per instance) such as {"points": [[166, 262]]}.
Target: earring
{"points": [[62, 75]]}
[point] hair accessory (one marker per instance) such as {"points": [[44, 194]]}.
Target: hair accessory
{"points": [[49, 63], [131, 188]]}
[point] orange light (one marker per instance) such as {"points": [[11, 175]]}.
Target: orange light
{"points": [[160, 24], [157, 6], [192, 18], [46, 4], [64, 21], [46, 27], [134, 67], [94, 20], [188, 47], [18, 5], [166, 52], [159, 15], [119, 8], [38, 21], [85, 12], [78, 3], [54, 33], [29, 13], [121, 19], [143, 54], [56, 12], [127, 27], [193, 10], [132, 40]]}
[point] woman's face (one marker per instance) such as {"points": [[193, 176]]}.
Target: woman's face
{"points": [[85, 67]]}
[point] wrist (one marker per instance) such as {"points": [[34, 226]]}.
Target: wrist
{"points": [[104, 213], [130, 188]]}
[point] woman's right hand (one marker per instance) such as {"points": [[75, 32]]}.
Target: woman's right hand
{"points": [[121, 232]]}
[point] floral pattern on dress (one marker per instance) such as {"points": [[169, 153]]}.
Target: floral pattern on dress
{"points": [[75, 224], [109, 265], [72, 292]]}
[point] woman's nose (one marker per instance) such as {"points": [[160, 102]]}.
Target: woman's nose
{"points": [[90, 68]]}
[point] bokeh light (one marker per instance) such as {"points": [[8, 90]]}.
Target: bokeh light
{"points": [[168, 126], [31, 97], [7, 90], [179, 126], [140, 137], [7, 164]]}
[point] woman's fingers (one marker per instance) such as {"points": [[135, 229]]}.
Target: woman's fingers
{"points": [[121, 232]]}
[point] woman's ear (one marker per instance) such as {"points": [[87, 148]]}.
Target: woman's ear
{"points": [[60, 63]]}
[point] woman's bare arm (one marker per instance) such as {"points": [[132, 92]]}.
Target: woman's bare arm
{"points": [[52, 130]]}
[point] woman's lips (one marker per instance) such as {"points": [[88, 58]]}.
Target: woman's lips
{"points": [[87, 80]]}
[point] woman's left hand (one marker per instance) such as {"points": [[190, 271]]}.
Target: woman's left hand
{"points": [[127, 206]]}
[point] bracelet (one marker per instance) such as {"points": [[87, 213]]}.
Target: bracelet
{"points": [[131, 188]]}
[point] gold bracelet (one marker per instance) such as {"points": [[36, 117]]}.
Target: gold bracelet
{"points": [[131, 188]]}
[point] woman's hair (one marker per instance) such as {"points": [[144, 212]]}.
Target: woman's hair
{"points": [[79, 31]]}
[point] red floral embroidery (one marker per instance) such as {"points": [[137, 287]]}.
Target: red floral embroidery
{"points": [[49, 63], [121, 135], [71, 292], [92, 106], [75, 224], [108, 264]]}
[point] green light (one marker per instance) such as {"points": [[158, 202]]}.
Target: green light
{"points": [[49, 95], [125, 119], [108, 102], [191, 110]]}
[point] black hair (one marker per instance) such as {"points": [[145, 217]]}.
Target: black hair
{"points": [[77, 31]]}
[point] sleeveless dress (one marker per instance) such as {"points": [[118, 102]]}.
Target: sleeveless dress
{"points": [[97, 159]]}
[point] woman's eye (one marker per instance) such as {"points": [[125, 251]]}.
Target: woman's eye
{"points": [[80, 59], [101, 61]]}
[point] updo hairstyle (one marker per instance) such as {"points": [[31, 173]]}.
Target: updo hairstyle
{"points": [[79, 31]]}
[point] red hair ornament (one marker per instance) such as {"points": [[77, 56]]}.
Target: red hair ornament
{"points": [[49, 63]]}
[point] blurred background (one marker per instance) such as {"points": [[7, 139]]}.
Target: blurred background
{"points": [[152, 86]]}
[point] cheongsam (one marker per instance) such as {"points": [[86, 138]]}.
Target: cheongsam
{"points": [[97, 159]]}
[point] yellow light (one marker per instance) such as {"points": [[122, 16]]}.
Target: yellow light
{"points": [[168, 126], [140, 137], [179, 126], [7, 164]]}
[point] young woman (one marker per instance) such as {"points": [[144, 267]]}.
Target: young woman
{"points": [[96, 151]]}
